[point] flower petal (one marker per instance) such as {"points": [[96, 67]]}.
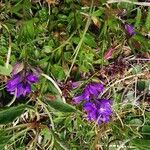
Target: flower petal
{"points": [[27, 89], [32, 78], [78, 99], [129, 29], [12, 83]]}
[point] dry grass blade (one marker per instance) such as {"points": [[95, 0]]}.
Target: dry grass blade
{"points": [[127, 1]]}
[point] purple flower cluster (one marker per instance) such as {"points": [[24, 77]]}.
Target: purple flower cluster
{"points": [[21, 81], [91, 90], [98, 110]]}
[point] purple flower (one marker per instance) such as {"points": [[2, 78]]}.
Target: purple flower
{"points": [[100, 111], [32, 78], [129, 29], [78, 99], [73, 85], [21, 82], [23, 89], [91, 90], [91, 110], [12, 84]]}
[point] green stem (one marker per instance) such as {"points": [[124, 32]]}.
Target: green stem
{"points": [[9, 53], [81, 41], [13, 99], [48, 113]]}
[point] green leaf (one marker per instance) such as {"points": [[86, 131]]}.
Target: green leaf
{"points": [[2, 146], [130, 95], [146, 131], [60, 106], [137, 69], [147, 23], [75, 39], [138, 18], [98, 12], [141, 144], [4, 138], [141, 85], [5, 71], [58, 72], [89, 40], [7, 137], [46, 133], [59, 143], [47, 49], [27, 31], [8, 114], [136, 122], [16, 8], [20, 148], [144, 43], [62, 145]]}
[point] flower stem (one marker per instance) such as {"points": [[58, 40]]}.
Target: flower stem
{"points": [[9, 53]]}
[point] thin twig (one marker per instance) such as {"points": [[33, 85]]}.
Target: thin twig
{"points": [[13, 99], [9, 53], [48, 113], [127, 1], [119, 119], [140, 59], [118, 81]]}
